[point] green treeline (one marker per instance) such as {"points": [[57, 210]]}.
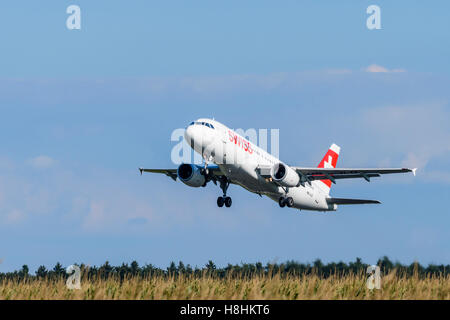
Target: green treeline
{"points": [[244, 270]]}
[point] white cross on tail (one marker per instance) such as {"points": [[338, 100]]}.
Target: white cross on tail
{"points": [[328, 164]]}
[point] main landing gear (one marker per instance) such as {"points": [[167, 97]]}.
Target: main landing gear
{"points": [[286, 202], [224, 183], [224, 200]]}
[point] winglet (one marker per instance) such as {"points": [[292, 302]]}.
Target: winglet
{"points": [[140, 170], [414, 171]]}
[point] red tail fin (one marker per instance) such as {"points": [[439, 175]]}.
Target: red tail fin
{"points": [[329, 161]]}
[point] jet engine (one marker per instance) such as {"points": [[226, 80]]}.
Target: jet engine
{"points": [[191, 175], [285, 175]]}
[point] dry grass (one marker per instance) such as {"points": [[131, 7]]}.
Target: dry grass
{"points": [[302, 287]]}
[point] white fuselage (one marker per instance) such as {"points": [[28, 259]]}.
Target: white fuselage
{"points": [[239, 160]]}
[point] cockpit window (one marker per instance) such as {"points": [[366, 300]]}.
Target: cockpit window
{"points": [[202, 123]]}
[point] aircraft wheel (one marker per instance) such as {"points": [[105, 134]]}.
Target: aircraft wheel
{"points": [[289, 202], [220, 202], [228, 202], [281, 202]]}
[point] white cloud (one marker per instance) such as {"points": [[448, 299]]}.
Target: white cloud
{"points": [[374, 68], [416, 160], [420, 133], [436, 176], [6, 163], [41, 162], [85, 202], [15, 216], [338, 71], [95, 216]]}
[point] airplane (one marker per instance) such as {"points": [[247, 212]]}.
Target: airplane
{"points": [[240, 162]]}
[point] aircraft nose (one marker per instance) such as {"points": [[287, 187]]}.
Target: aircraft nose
{"points": [[197, 136], [193, 135], [188, 134]]}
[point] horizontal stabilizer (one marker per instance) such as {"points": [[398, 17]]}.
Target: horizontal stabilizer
{"points": [[350, 201]]}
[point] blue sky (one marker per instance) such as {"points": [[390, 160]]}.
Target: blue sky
{"points": [[81, 110]]}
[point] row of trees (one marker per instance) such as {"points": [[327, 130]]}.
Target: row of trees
{"points": [[289, 268]]}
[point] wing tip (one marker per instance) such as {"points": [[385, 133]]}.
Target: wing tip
{"points": [[141, 170], [414, 171]]}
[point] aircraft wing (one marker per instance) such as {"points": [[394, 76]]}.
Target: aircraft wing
{"points": [[311, 174], [214, 170], [168, 172]]}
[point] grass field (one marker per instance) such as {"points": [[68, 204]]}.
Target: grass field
{"points": [[258, 287]]}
